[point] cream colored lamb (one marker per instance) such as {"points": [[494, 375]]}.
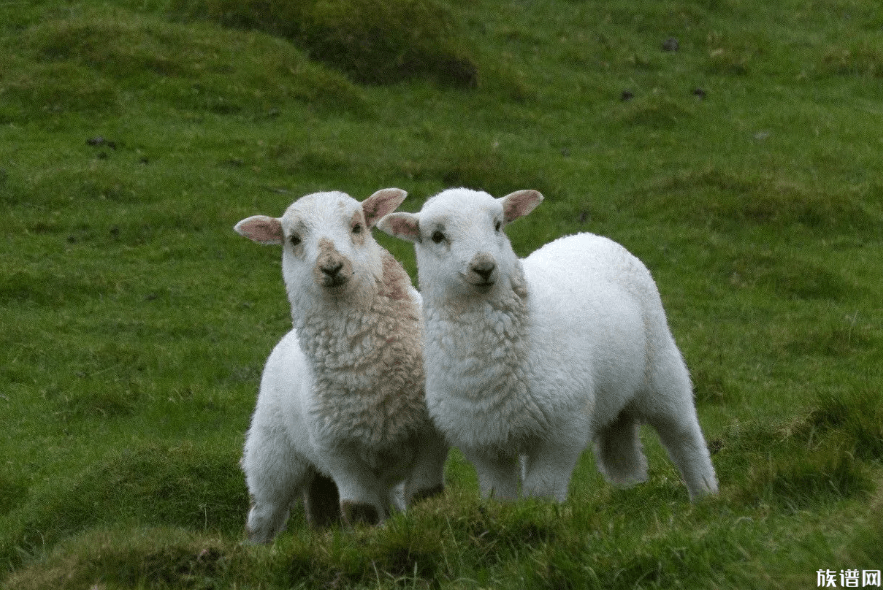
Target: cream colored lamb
{"points": [[342, 394], [535, 359]]}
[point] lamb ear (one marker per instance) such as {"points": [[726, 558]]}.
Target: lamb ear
{"points": [[381, 203], [261, 229], [519, 204], [401, 225]]}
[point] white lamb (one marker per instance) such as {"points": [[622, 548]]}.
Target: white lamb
{"points": [[342, 394], [534, 359]]}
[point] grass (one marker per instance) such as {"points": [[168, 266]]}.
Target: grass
{"points": [[134, 134]]}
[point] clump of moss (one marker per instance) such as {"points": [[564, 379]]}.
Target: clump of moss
{"points": [[373, 41]]}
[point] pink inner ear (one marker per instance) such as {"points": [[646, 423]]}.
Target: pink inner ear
{"points": [[402, 225], [261, 229], [520, 203], [382, 203]]}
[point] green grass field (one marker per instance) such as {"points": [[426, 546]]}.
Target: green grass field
{"points": [[742, 167]]}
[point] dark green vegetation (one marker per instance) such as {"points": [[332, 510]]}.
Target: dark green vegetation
{"points": [[743, 168]]}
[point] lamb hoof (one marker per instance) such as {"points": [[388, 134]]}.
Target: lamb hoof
{"points": [[357, 513], [428, 493], [257, 536]]}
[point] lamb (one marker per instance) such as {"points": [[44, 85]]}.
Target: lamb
{"points": [[529, 361], [341, 407]]}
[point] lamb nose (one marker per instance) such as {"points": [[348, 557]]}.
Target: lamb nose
{"points": [[332, 269], [484, 269]]}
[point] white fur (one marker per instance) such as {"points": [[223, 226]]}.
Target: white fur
{"points": [[342, 394], [535, 359]]}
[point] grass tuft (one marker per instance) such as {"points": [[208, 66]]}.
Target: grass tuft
{"points": [[155, 558], [719, 199], [88, 58], [824, 475], [13, 492], [814, 459], [787, 275], [373, 42], [155, 485], [862, 59], [858, 415], [842, 339], [655, 112]]}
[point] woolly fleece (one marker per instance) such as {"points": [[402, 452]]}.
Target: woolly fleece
{"points": [[342, 394], [530, 361]]}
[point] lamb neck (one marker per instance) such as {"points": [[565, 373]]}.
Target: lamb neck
{"points": [[478, 387], [368, 371]]}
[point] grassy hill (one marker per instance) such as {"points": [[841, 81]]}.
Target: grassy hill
{"points": [[733, 145]]}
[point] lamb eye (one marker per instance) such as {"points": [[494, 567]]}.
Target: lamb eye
{"points": [[497, 226], [294, 239], [438, 237], [357, 229]]}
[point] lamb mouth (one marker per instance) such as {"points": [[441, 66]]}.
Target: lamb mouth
{"points": [[483, 286], [335, 283]]}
